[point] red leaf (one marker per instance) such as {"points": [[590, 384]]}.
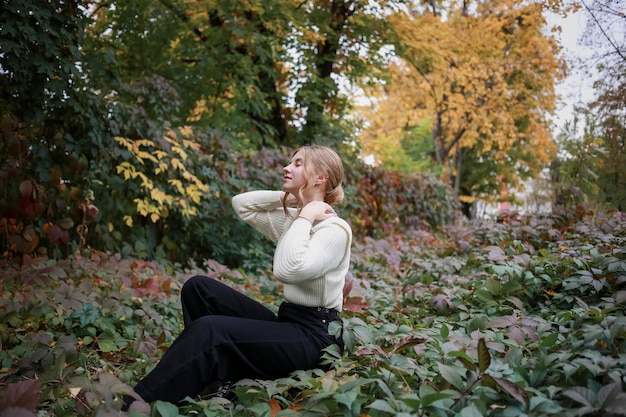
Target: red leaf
{"points": [[517, 334], [502, 322], [65, 236], [149, 286], [495, 253], [16, 412], [408, 342], [274, 406], [55, 234], [348, 284], [515, 390], [26, 188], [355, 304], [29, 207], [23, 394], [54, 272]]}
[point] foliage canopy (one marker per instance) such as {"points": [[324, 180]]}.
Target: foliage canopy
{"points": [[482, 77], [142, 114]]}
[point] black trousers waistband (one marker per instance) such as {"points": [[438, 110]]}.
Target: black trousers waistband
{"points": [[306, 315], [330, 311], [288, 310]]}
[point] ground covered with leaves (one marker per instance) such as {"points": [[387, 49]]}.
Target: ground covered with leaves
{"points": [[521, 317]]}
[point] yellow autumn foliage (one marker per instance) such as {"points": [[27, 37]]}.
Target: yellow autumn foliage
{"points": [[483, 77], [165, 181]]}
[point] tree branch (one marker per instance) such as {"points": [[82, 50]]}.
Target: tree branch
{"points": [[183, 18]]}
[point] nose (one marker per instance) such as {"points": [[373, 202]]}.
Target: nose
{"points": [[286, 168]]}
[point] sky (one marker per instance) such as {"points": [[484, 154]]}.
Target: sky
{"points": [[577, 87]]}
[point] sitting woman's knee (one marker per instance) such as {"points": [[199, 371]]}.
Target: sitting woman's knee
{"points": [[192, 283], [201, 284]]}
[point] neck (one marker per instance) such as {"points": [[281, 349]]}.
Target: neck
{"points": [[316, 196]]}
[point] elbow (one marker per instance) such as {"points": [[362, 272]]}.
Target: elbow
{"points": [[282, 274], [288, 274], [236, 202]]}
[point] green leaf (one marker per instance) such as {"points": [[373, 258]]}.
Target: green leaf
{"points": [[260, 409], [166, 409], [87, 315], [494, 286], [346, 398], [335, 328], [465, 359], [608, 393], [445, 331], [364, 334], [382, 405], [412, 400], [583, 395], [546, 278], [66, 223], [470, 411], [544, 405], [431, 398], [107, 346], [484, 357], [452, 374], [549, 340]]}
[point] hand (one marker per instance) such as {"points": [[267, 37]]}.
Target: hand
{"points": [[317, 210]]}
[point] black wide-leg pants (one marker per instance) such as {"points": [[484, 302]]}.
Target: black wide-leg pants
{"points": [[228, 337]]}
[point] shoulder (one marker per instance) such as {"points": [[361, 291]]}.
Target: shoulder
{"points": [[336, 224]]}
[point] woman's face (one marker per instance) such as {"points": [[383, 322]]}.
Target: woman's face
{"points": [[294, 174]]}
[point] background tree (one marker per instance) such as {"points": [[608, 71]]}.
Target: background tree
{"points": [[573, 172], [483, 75], [605, 115], [609, 110], [262, 72], [52, 126]]}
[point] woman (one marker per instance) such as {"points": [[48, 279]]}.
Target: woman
{"points": [[228, 336]]}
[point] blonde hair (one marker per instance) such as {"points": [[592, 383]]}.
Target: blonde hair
{"points": [[321, 160]]}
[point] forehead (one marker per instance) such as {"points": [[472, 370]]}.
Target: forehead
{"points": [[298, 156]]}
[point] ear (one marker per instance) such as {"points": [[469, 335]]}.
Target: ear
{"points": [[321, 179]]}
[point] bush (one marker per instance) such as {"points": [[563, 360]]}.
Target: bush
{"points": [[382, 202], [488, 319], [170, 199]]}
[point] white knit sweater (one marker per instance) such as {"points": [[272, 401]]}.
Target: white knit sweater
{"points": [[310, 260]]}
